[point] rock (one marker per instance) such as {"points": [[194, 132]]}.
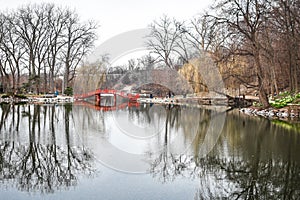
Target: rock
{"points": [[271, 113]]}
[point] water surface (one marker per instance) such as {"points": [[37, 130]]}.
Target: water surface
{"points": [[144, 152]]}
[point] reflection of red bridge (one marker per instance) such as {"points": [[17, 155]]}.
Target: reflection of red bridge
{"points": [[106, 108], [106, 92]]}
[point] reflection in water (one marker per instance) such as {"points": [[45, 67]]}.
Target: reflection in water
{"points": [[44, 148], [253, 160], [193, 123], [35, 154]]}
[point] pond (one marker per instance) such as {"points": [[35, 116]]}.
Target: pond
{"points": [[144, 151]]}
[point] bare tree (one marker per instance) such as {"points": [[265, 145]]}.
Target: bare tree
{"points": [[202, 32], [41, 38], [162, 39], [287, 23], [30, 25], [244, 18], [56, 19], [3, 57], [146, 62], [14, 55], [78, 39], [132, 65], [10, 47]]}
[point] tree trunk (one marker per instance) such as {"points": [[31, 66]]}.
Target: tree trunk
{"points": [[274, 79], [263, 97], [18, 78], [45, 81]]}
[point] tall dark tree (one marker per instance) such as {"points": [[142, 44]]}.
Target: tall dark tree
{"points": [[245, 19], [40, 41], [287, 23], [78, 39]]}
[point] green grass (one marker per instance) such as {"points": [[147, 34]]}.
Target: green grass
{"points": [[285, 98]]}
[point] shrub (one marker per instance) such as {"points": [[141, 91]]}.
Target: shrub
{"points": [[69, 91], [21, 96], [285, 99], [5, 96]]}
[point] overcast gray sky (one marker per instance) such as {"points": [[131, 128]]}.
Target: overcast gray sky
{"points": [[117, 16]]}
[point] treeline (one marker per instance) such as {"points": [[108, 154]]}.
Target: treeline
{"points": [[254, 43], [38, 44]]}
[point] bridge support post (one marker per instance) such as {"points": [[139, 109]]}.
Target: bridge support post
{"points": [[115, 99], [98, 99]]}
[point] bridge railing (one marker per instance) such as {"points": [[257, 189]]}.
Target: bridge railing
{"points": [[106, 91]]}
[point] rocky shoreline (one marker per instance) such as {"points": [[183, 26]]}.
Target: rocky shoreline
{"points": [[281, 113]]}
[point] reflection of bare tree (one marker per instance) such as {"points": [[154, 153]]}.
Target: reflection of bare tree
{"points": [[87, 119], [205, 116], [41, 164], [252, 173], [167, 164], [185, 164], [236, 179], [149, 113], [239, 167], [5, 110]]}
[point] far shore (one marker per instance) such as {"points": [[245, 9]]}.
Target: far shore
{"points": [[290, 111]]}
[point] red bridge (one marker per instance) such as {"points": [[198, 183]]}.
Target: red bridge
{"points": [[106, 92], [106, 108]]}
